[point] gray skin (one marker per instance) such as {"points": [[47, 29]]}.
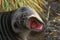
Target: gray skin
{"points": [[20, 17]]}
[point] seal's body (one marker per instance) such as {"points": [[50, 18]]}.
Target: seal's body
{"points": [[16, 25], [6, 32]]}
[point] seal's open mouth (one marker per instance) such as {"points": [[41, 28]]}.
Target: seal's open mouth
{"points": [[35, 24]]}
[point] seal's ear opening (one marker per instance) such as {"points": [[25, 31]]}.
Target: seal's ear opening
{"points": [[15, 27]]}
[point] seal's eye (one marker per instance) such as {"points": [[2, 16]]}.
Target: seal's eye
{"points": [[23, 9], [35, 24]]}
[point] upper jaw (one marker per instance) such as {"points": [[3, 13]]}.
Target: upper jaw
{"points": [[37, 17]]}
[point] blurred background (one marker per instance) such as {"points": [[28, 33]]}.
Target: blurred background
{"points": [[49, 11]]}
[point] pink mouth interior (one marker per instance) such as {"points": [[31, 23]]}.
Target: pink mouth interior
{"points": [[35, 24]]}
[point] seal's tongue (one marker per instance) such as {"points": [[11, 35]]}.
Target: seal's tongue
{"points": [[35, 24]]}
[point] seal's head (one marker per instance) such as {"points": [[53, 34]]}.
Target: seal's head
{"points": [[26, 18]]}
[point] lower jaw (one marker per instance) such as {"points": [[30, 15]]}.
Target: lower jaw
{"points": [[40, 28], [37, 29]]}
